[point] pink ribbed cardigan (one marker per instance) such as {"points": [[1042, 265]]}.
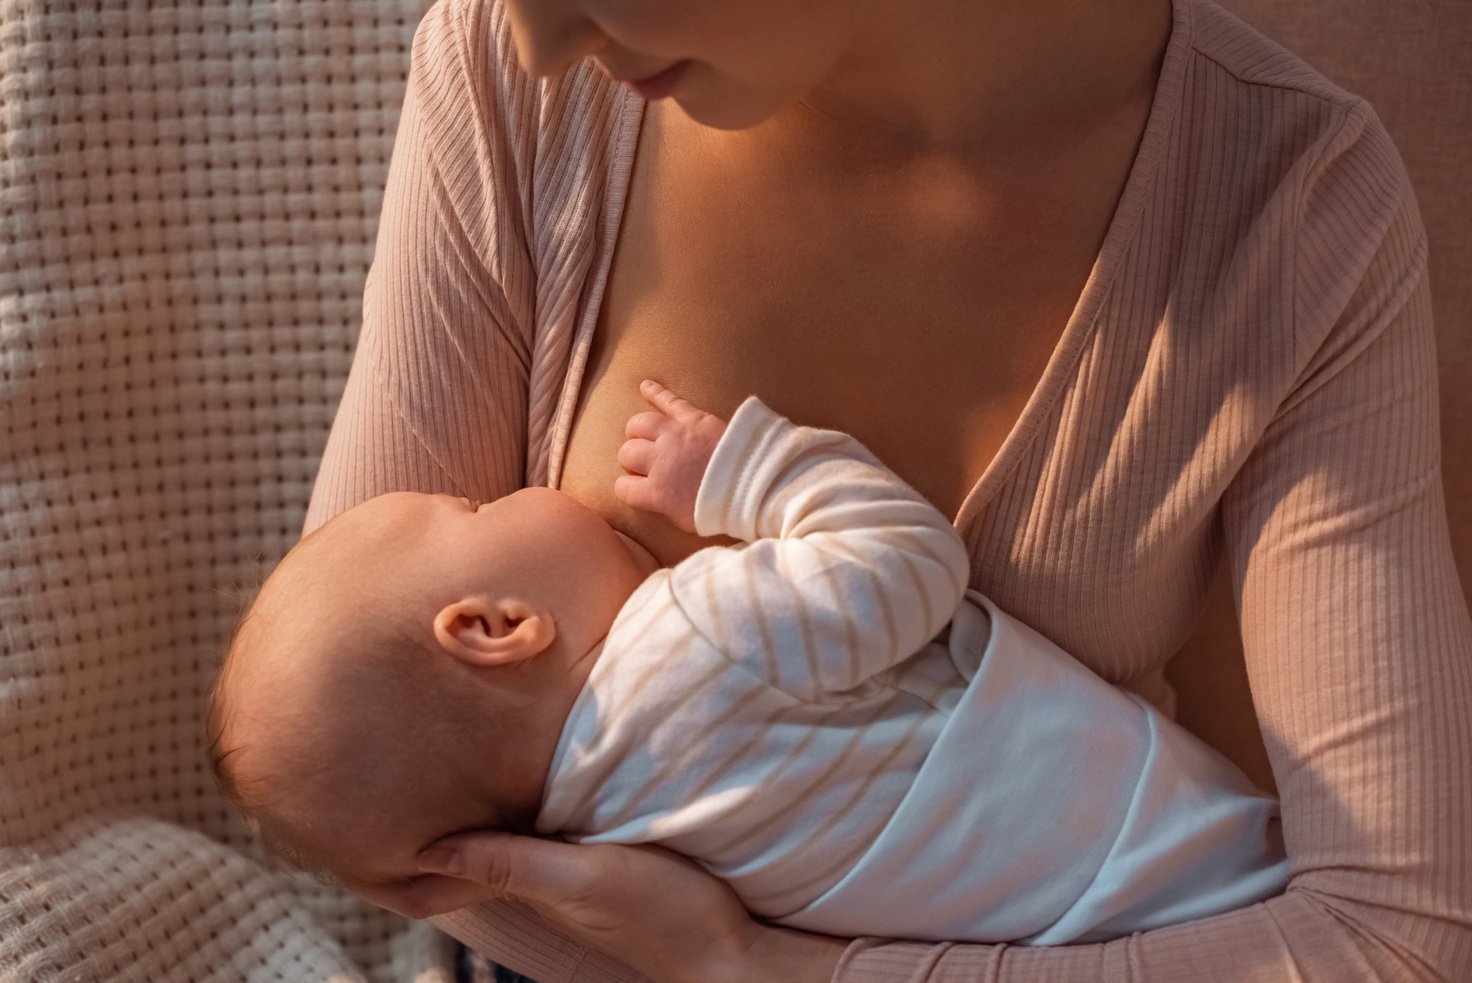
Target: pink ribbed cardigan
{"points": [[1249, 378]]}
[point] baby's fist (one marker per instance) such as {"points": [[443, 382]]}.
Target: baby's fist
{"points": [[666, 451]]}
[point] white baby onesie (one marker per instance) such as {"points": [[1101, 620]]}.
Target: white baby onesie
{"points": [[791, 714]]}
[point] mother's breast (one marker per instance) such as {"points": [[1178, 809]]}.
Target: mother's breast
{"points": [[590, 466]]}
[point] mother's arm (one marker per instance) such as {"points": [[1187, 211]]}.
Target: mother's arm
{"points": [[436, 399]]}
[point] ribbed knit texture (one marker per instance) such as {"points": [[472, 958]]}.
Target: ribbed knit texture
{"points": [[1249, 378]]}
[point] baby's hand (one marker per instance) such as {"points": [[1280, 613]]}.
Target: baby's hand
{"points": [[666, 451]]}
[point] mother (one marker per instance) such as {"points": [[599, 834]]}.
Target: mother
{"points": [[1124, 287]]}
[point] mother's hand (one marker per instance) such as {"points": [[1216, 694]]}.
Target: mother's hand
{"points": [[649, 908]]}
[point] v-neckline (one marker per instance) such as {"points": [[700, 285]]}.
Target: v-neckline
{"points": [[1077, 329]]}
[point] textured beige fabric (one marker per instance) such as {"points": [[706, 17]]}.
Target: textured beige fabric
{"points": [[188, 193]]}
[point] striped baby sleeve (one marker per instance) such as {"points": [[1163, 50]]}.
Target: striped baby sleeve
{"points": [[847, 570]]}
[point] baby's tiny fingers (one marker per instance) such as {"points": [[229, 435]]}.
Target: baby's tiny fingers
{"points": [[636, 455], [649, 424], [677, 407], [635, 491]]}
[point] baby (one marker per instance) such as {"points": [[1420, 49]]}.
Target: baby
{"points": [[824, 716]]}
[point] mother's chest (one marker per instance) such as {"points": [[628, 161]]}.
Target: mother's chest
{"points": [[924, 332], [923, 340], [904, 360]]}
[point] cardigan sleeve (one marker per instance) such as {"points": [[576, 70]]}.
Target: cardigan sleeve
{"points": [[436, 399], [1357, 640]]}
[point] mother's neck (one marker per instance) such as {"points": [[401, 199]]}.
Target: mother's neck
{"points": [[960, 77]]}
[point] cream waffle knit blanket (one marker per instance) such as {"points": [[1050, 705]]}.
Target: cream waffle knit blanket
{"points": [[188, 196]]}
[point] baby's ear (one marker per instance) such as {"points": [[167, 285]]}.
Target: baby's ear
{"points": [[485, 632]]}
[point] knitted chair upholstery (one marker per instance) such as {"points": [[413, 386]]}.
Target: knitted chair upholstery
{"points": [[188, 196]]}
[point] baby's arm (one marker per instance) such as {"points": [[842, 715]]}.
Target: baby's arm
{"points": [[848, 570]]}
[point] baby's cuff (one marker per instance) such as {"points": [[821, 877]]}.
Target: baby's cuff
{"points": [[732, 489]]}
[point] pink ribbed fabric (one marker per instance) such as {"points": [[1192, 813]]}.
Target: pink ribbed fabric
{"points": [[1249, 378]]}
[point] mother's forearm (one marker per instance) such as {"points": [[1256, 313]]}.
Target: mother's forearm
{"points": [[1266, 942], [1299, 935]]}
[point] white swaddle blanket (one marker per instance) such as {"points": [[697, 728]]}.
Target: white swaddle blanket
{"points": [[1006, 832]]}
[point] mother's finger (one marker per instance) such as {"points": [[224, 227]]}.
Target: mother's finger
{"points": [[540, 871], [426, 895]]}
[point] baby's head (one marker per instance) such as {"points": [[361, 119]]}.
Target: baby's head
{"points": [[405, 672]]}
